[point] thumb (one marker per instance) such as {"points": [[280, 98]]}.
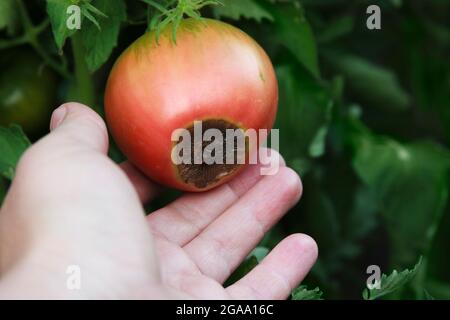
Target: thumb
{"points": [[64, 168], [74, 123], [67, 168], [69, 204]]}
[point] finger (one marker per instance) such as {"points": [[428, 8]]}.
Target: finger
{"points": [[69, 168], [145, 188], [280, 272], [77, 125], [220, 248], [182, 220], [77, 144]]}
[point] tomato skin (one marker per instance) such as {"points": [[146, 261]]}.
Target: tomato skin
{"points": [[214, 71], [27, 91]]}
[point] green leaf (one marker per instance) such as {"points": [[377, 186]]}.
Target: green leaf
{"points": [[91, 18], [99, 42], [292, 30], [57, 11], [156, 5], [302, 293], [322, 217], [437, 263], [395, 281], [8, 15], [371, 83], [437, 289], [362, 218], [13, 142], [427, 295], [317, 146], [94, 10], [304, 113], [249, 263], [259, 253], [336, 29], [410, 181], [429, 69], [236, 10]]}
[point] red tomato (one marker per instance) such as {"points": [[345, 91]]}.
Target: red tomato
{"points": [[215, 73]]}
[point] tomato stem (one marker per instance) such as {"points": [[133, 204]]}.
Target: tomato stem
{"points": [[173, 12], [30, 36], [83, 87]]}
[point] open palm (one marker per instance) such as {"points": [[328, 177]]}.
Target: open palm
{"points": [[70, 205]]}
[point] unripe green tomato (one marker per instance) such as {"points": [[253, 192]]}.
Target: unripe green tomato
{"points": [[27, 91]]}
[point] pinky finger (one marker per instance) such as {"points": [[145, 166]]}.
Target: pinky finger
{"points": [[280, 272]]}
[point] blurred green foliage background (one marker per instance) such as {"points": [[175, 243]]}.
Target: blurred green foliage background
{"points": [[364, 117]]}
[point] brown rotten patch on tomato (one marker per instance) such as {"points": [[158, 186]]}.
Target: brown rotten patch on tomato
{"points": [[215, 159]]}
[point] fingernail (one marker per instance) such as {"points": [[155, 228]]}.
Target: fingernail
{"points": [[58, 117]]}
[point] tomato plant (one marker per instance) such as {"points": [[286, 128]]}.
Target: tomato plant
{"points": [[214, 73]]}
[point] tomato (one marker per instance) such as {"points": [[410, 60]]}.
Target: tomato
{"points": [[214, 73], [27, 91]]}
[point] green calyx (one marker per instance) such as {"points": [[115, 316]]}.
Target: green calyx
{"points": [[172, 12]]}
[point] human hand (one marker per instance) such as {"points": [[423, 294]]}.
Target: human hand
{"points": [[71, 205]]}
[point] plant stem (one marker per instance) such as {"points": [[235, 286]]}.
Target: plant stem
{"points": [[48, 60], [173, 12], [30, 36], [6, 44], [136, 22], [83, 89]]}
